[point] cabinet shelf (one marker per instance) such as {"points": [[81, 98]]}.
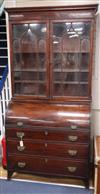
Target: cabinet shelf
{"points": [[69, 82], [29, 70], [29, 52], [70, 70], [54, 52], [54, 70], [30, 81], [55, 82], [71, 52]]}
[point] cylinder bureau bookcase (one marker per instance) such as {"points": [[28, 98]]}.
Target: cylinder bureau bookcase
{"points": [[48, 118]]}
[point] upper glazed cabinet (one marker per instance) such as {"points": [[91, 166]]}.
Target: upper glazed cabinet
{"points": [[52, 52]]}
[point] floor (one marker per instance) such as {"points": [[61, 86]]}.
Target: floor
{"points": [[79, 183]]}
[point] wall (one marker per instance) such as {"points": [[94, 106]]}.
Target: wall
{"points": [[96, 68], [96, 80]]}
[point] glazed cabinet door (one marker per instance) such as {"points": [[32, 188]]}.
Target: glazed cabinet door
{"points": [[71, 59], [30, 59]]}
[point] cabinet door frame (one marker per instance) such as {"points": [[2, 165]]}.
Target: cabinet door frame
{"points": [[73, 98], [21, 96]]}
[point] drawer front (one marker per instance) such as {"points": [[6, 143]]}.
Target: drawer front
{"points": [[77, 151], [45, 165], [50, 135]]}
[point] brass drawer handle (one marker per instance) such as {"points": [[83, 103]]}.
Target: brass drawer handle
{"points": [[72, 169], [72, 138], [21, 164], [20, 148], [46, 160], [72, 152], [20, 134], [73, 127], [46, 133], [19, 124], [45, 145]]}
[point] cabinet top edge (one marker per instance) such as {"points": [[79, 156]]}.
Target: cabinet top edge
{"points": [[91, 7]]}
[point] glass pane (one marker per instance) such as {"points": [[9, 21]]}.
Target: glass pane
{"points": [[57, 90], [29, 76], [75, 89], [29, 58], [42, 88], [27, 87], [70, 58]]}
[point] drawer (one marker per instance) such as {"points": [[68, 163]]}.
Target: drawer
{"points": [[81, 136], [45, 165], [66, 150]]}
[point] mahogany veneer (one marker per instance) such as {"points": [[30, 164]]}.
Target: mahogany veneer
{"points": [[48, 118], [53, 142]]}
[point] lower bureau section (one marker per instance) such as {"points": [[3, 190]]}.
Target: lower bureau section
{"points": [[48, 139], [47, 165]]}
